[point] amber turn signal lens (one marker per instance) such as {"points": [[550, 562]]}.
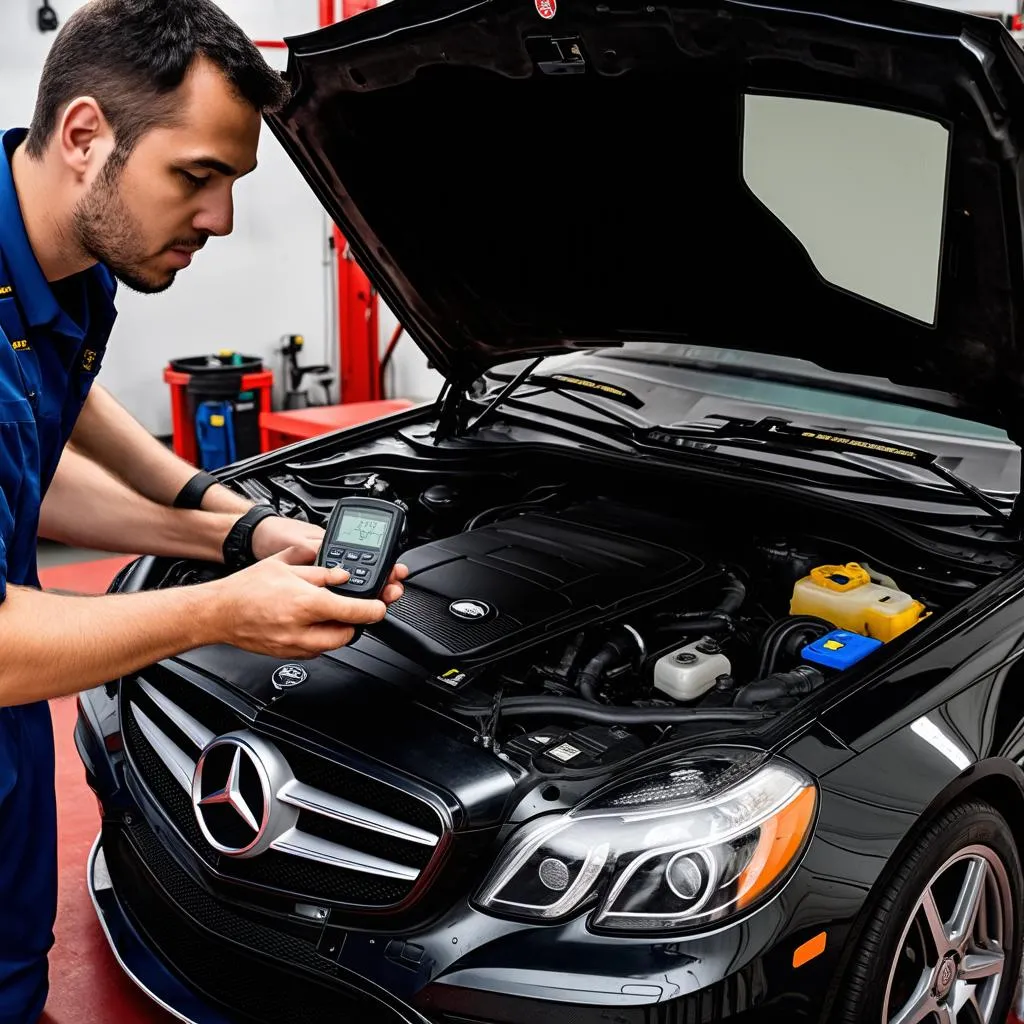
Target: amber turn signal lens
{"points": [[809, 950], [781, 839]]}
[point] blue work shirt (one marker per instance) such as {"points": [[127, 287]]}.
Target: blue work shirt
{"points": [[52, 340]]}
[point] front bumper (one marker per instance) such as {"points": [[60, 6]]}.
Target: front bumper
{"points": [[159, 942], [205, 963], [208, 959], [134, 957]]}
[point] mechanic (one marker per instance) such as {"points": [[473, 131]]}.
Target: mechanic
{"points": [[147, 113]]}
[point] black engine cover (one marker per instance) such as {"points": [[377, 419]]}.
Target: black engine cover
{"points": [[523, 581]]}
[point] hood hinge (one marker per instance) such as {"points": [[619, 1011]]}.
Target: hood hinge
{"points": [[452, 418]]}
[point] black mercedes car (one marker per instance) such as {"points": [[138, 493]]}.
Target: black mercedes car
{"points": [[704, 698]]}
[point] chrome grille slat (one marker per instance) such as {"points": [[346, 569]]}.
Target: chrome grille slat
{"points": [[330, 806], [194, 730], [180, 765], [302, 844]]}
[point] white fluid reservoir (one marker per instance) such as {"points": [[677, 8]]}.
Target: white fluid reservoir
{"points": [[689, 672]]}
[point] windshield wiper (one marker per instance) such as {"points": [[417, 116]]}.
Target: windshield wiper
{"points": [[769, 433], [567, 386], [781, 435]]}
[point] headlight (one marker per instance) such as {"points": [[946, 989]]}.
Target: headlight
{"points": [[675, 851]]}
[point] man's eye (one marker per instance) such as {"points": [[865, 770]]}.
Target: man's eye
{"points": [[194, 180]]}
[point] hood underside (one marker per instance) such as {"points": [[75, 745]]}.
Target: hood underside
{"points": [[841, 185]]}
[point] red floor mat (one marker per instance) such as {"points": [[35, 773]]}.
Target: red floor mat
{"points": [[83, 577], [86, 984]]}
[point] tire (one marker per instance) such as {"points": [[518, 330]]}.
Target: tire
{"points": [[893, 966]]}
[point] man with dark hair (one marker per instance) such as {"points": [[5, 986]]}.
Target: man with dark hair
{"points": [[148, 112]]}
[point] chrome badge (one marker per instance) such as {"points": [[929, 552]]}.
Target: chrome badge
{"points": [[233, 794], [468, 609], [287, 676]]}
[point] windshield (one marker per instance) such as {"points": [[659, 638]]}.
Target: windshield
{"points": [[805, 387], [686, 384]]}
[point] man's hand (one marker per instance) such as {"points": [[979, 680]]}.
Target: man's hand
{"points": [[297, 543], [392, 591], [284, 610], [277, 534]]}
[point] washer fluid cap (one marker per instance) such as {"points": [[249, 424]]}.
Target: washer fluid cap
{"points": [[840, 649]]}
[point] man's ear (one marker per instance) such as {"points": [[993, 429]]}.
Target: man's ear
{"points": [[84, 138]]}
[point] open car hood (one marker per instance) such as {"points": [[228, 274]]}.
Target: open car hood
{"points": [[833, 181]]}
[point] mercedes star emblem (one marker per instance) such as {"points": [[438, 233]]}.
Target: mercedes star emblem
{"points": [[232, 794]]}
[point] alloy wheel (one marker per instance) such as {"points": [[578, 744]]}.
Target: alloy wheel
{"points": [[951, 957]]}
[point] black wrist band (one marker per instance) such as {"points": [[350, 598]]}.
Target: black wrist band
{"points": [[237, 547], [191, 495]]}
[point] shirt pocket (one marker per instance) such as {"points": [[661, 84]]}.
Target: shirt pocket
{"points": [[15, 410]]}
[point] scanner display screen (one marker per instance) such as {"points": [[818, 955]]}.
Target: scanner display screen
{"points": [[362, 527]]}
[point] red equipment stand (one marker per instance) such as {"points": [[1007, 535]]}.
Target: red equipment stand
{"points": [[358, 341], [278, 429], [359, 362], [184, 429], [359, 368]]}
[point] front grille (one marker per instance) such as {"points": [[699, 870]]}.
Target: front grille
{"points": [[169, 795], [255, 971], [356, 841]]}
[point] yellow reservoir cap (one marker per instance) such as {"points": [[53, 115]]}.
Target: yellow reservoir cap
{"points": [[841, 577], [845, 596]]}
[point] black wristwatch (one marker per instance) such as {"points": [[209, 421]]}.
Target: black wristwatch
{"points": [[191, 495], [238, 543]]}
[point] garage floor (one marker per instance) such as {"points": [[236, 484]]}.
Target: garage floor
{"points": [[86, 984]]}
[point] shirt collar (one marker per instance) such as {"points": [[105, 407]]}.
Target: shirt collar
{"points": [[35, 297]]}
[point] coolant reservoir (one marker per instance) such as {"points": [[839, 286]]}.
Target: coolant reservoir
{"points": [[691, 671], [846, 596]]}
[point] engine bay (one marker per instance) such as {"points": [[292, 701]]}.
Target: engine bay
{"points": [[572, 620], [492, 591]]}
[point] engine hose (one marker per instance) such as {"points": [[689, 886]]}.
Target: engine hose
{"points": [[719, 617], [802, 680], [620, 644], [784, 631], [569, 707], [734, 596], [699, 624], [525, 504]]}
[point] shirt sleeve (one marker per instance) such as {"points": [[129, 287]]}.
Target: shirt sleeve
{"points": [[17, 427], [6, 532], [3, 564], [11, 452]]}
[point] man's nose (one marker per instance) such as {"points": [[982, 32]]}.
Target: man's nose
{"points": [[215, 218]]}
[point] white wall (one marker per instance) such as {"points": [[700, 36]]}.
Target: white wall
{"points": [[217, 303]]}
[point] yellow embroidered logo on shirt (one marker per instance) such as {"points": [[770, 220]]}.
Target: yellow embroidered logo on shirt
{"points": [[88, 359], [20, 345], [5, 289]]}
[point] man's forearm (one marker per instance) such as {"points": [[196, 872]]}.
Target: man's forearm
{"points": [[86, 506], [54, 645], [109, 435]]}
